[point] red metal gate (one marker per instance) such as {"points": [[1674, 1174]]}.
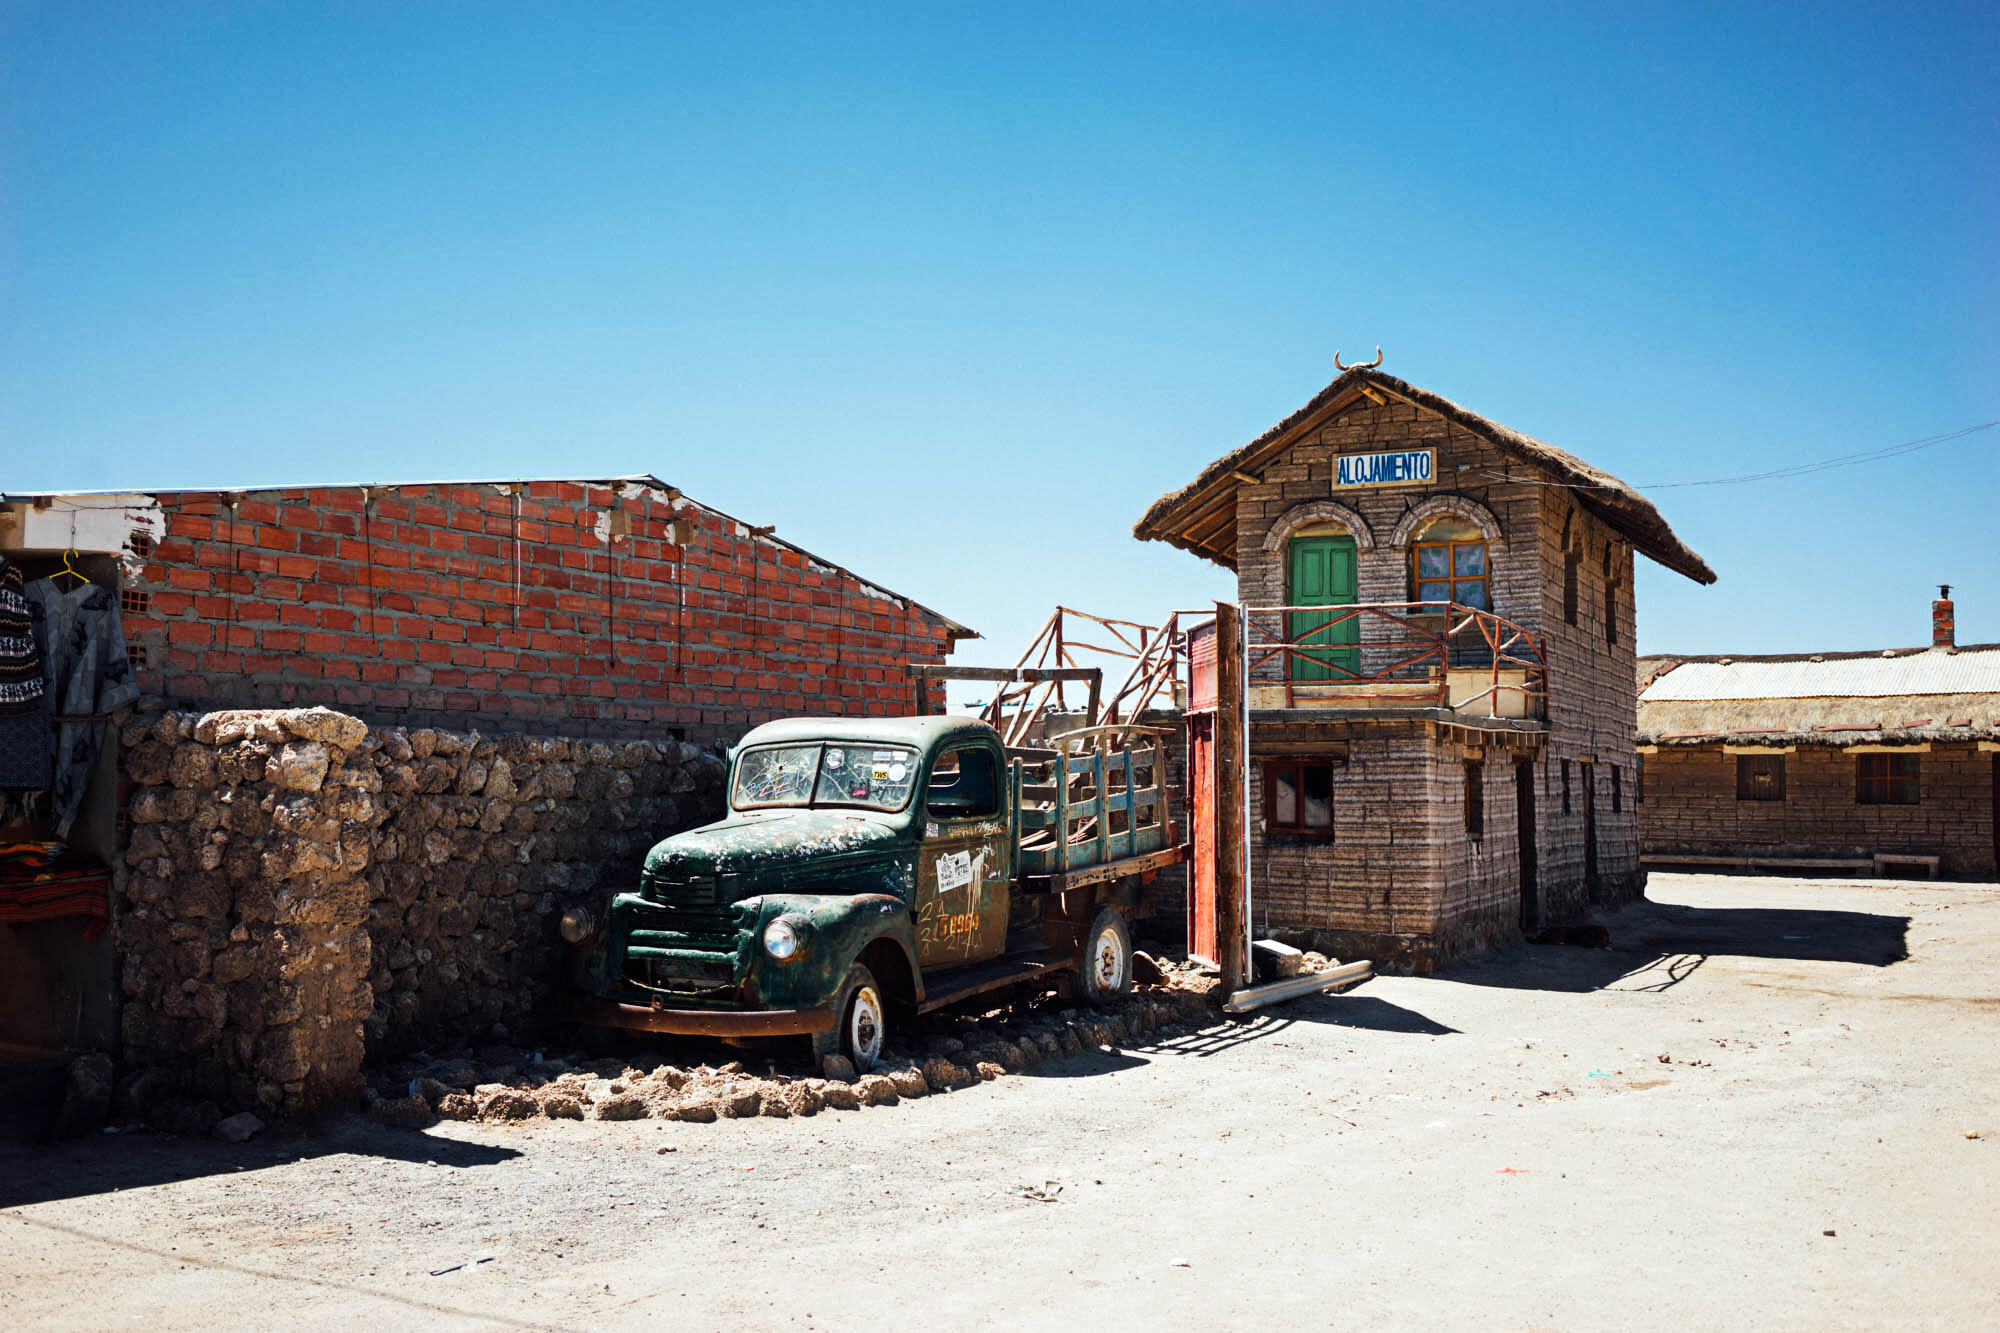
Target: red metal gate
{"points": [[1201, 932]]}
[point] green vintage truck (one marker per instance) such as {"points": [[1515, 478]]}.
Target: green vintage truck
{"points": [[870, 870]]}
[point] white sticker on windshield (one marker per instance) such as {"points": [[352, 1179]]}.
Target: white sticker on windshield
{"points": [[897, 772], [834, 759], [954, 871]]}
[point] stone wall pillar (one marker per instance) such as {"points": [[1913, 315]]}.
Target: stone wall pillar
{"points": [[243, 935]]}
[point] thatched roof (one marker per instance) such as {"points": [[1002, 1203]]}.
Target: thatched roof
{"points": [[1897, 697], [1201, 516]]}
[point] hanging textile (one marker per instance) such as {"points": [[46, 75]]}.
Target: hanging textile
{"points": [[25, 749], [86, 675], [40, 881]]}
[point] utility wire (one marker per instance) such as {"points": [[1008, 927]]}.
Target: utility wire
{"points": [[1798, 470]]}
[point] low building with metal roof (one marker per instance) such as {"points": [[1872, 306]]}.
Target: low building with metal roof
{"points": [[1874, 762]]}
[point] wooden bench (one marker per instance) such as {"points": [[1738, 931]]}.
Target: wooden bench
{"points": [[1856, 863], [1885, 860]]}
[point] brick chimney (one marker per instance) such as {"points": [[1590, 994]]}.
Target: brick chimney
{"points": [[1944, 627]]}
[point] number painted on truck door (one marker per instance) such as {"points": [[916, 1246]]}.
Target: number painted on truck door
{"points": [[962, 871]]}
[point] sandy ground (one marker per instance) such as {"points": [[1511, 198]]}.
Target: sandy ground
{"points": [[1753, 1109]]}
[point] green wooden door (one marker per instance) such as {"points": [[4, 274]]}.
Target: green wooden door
{"points": [[1321, 573]]}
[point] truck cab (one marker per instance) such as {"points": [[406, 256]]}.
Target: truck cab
{"points": [[866, 868]]}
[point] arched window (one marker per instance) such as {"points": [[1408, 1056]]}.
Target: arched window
{"points": [[1450, 564]]}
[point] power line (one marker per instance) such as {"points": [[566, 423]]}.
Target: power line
{"points": [[1797, 470]]}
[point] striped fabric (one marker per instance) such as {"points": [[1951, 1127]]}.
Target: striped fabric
{"points": [[41, 881], [20, 656]]}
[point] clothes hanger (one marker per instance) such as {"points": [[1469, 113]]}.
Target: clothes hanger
{"points": [[69, 569]]}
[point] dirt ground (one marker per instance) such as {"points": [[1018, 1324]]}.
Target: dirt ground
{"points": [[1755, 1108]]}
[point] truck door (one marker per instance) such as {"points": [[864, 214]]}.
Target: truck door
{"points": [[962, 870]]}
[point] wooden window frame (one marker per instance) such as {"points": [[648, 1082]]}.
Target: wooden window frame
{"points": [[1452, 578], [1475, 799], [1898, 779], [1297, 767], [1747, 768]]}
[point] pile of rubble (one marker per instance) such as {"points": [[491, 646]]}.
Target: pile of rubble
{"points": [[501, 1084]]}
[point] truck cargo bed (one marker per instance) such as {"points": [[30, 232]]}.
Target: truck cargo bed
{"points": [[1088, 809]]}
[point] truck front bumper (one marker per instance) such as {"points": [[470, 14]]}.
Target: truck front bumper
{"points": [[707, 1022]]}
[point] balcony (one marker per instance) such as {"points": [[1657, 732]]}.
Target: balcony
{"points": [[1394, 657]]}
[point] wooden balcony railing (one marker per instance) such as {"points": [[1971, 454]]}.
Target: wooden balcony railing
{"points": [[1395, 654]]}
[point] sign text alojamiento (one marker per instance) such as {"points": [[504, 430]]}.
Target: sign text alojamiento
{"points": [[1401, 466]]}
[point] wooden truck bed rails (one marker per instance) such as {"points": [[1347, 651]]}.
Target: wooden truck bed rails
{"points": [[1082, 809]]}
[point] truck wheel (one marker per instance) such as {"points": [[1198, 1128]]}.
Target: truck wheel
{"points": [[860, 1022], [1107, 958]]}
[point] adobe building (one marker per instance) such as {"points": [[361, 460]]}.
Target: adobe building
{"points": [[1809, 763], [347, 752], [1439, 627]]}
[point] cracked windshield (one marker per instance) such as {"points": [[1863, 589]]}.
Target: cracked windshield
{"points": [[879, 777]]}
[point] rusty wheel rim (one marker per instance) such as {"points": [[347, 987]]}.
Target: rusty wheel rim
{"points": [[865, 1027], [1108, 964]]}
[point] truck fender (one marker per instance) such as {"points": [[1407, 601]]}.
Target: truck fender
{"points": [[891, 953], [846, 927]]}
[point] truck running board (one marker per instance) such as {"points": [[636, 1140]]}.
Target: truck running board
{"points": [[986, 977]]}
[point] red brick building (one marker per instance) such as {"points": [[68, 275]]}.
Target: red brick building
{"points": [[549, 617], [614, 607]]}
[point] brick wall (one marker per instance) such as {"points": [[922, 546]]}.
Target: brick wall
{"points": [[1691, 809], [615, 610]]}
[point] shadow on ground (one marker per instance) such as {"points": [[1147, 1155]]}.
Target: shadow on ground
{"points": [[1656, 946], [102, 1163], [1345, 1010]]}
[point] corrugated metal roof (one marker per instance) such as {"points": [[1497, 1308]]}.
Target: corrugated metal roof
{"points": [[1963, 672]]}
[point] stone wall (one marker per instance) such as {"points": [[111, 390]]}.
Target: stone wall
{"points": [[243, 933], [302, 890], [481, 843]]}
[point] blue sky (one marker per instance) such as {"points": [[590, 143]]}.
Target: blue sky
{"points": [[950, 294]]}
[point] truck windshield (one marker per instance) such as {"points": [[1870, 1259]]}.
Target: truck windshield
{"points": [[876, 776]]}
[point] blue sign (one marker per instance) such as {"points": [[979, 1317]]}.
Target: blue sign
{"points": [[1401, 467]]}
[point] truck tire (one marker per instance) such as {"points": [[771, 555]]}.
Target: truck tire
{"points": [[860, 1022], [1106, 967]]}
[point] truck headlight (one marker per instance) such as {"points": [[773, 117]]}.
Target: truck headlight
{"points": [[785, 938], [578, 925]]}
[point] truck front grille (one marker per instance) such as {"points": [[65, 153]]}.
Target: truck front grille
{"points": [[688, 944]]}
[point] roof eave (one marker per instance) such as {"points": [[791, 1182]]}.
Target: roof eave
{"points": [[1670, 553]]}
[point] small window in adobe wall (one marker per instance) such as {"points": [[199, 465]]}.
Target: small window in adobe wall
{"points": [[1298, 797]]}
